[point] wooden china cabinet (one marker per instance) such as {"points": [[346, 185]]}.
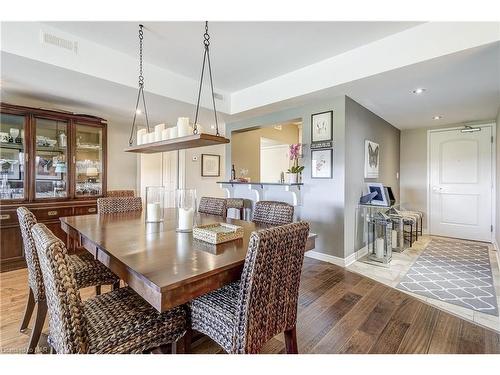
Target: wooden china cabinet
{"points": [[53, 163]]}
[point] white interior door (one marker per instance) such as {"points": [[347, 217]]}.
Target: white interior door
{"points": [[461, 184]]}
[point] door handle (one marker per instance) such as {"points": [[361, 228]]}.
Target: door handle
{"points": [[437, 189]]}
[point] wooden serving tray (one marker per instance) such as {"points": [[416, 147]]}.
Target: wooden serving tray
{"points": [[218, 233]]}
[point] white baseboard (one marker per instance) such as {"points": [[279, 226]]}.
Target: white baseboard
{"points": [[325, 257], [342, 262]]}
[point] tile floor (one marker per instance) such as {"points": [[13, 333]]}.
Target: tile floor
{"points": [[400, 264]]}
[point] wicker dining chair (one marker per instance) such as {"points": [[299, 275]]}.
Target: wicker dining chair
{"points": [[116, 322], [118, 204], [274, 213], [88, 272], [238, 204], [120, 193], [241, 317], [212, 206]]}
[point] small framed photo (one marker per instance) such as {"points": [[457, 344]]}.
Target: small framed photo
{"points": [[381, 198], [322, 127], [45, 164], [210, 165], [372, 158], [322, 163]]}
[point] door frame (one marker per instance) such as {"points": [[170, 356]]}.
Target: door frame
{"points": [[490, 124]]}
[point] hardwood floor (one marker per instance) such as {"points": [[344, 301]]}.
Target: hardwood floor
{"points": [[339, 312]]}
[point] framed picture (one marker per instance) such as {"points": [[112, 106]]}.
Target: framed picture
{"points": [[372, 158], [210, 165], [322, 163], [45, 165], [9, 163], [322, 127], [381, 198]]}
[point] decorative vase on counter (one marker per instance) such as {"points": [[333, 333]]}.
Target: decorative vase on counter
{"points": [[155, 198], [293, 178], [186, 209]]}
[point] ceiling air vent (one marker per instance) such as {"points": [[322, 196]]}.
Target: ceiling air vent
{"points": [[47, 38], [218, 96]]}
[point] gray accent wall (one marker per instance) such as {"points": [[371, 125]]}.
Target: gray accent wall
{"points": [[361, 125], [330, 205], [323, 200]]}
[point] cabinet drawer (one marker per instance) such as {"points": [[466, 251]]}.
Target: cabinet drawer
{"points": [[8, 217], [52, 213], [87, 210]]}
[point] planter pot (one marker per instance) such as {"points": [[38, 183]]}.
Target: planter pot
{"points": [[292, 178]]}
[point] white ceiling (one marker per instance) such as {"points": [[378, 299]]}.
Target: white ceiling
{"points": [[242, 53], [462, 86], [32, 83]]}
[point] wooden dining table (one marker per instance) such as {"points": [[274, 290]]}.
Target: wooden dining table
{"points": [[165, 267]]}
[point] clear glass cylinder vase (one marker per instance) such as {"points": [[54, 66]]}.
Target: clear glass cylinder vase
{"points": [[186, 209], [155, 200]]}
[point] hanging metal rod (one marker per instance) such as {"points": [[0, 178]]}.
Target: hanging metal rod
{"points": [[141, 89], [206, 58]]}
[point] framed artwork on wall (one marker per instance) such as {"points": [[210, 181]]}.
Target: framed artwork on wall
{"points": [[322, 163], [322, 127], [372, 159], [210, 165]]}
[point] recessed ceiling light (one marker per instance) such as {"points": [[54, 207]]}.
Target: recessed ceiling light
{"points": [[418, 91], [138, 111], [438, 117]]}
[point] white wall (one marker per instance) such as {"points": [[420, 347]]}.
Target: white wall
{"points": [[205, 186], [122, 166]]}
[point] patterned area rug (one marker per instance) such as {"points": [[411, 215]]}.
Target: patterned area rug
{"points": [[454, 271]]}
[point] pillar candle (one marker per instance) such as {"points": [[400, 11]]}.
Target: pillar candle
{"points": [[153, 212], [159, 128], [183, 126], [394, 238], [145, 138], [157, 136], [379, 247], [151, 137], [185, 219], [140, 136], [172, 132], [164, 134]]}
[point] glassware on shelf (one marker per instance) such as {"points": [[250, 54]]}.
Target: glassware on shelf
{"points": [[186, 209], [51, 172], [12, 156], [155, 199], [89, 160]]}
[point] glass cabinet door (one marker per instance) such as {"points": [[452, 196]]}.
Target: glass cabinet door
{"points": [[51, 167], [12, 156], [89, 166]]}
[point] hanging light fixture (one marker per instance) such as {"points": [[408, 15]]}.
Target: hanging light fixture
{"points": [[140, 92], [197, 139], [206, 60]]}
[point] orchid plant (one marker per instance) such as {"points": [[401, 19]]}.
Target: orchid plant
{"points": [[294, 156]]}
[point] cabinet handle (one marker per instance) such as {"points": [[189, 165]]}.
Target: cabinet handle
{"points": [[4, 217], [52, 213], [92, 209]]}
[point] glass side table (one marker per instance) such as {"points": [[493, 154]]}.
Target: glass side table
{"points": [[381, 231]]}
